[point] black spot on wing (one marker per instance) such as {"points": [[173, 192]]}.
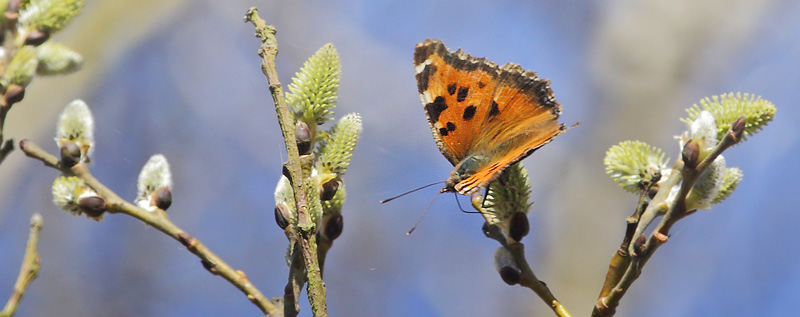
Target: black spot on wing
{"points": [[481, 84], [451, 126], [435, 108], [462, 94], [424, 76], [443, 131], [494, 110], [469, 112], [451, 88]]}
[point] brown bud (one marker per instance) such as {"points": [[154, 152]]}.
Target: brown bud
{"points": [[486, 230], [36, 38], [510, 274], [282, 216], [638, 245], [162, 198], [519, 226], [737, 128], [303, 137], [655, 177], [642, 182], [23, 143], [211, 267], [329, 189], [92, 206], [334, 226], [70, 154], [653, 191], [691, 153], [14, 94], [13, 6], [285, 172]]}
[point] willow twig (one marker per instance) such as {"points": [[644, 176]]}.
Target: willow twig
{"points": [[6, 146], [295, 284], [306, 227], [29, 269], [687, 175], [158, 219], [527, 278]]}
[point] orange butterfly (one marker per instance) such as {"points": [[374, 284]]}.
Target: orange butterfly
{"points": [[484, 117]]}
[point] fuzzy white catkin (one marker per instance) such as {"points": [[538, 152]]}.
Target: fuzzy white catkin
{"points": [[154, 175], [76, 124]]}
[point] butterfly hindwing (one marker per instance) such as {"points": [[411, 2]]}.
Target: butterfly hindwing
{"points": [[523, 116]]}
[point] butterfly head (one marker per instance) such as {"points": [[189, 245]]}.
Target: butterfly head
{"points": [[462, 171]]}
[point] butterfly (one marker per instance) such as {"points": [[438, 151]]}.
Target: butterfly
{"points": [[484, 117]]}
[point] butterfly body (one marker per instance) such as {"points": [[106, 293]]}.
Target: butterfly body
{"points": [[484, 117]]}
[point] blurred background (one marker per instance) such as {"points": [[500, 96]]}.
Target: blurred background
{"points": [[182, 78]]}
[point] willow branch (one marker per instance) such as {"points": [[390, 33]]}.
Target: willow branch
{"points": [[306, 227], [527, 278], [606, 305], [30, 267], [158, 219]]}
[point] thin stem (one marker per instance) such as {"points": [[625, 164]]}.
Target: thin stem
{"points": [[34, 151], [306, 227], [158, 219], [30, 267], [621, 258], [527, 277], [295, 284], [6, 146]]}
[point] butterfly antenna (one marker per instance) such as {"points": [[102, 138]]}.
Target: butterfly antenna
{"points": [[462, 209], [409, 192], [574, 125], [423, 213]]}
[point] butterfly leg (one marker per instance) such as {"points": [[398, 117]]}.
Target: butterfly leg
{"points": [[462, 209]]}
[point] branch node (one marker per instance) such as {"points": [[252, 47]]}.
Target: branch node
{"points": [[187, 240], [211, 267], [660, 237]]}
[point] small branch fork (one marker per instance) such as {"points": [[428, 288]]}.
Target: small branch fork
{"points": [[517, 249], [157, 219], [29, 269], [306, 228], [625, 266]]}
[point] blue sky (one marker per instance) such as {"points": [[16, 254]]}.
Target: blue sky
{"points": [[190, 87]]}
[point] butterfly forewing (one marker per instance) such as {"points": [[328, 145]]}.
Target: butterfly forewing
{"points": [[455, 90], [475, 107]]}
